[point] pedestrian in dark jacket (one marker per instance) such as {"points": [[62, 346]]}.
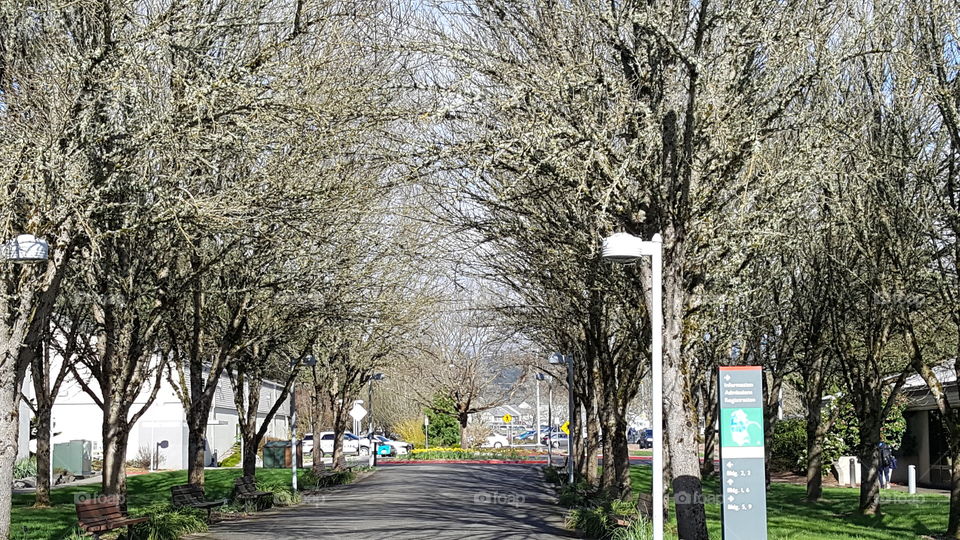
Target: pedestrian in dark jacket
{"points": [[888, 462]]}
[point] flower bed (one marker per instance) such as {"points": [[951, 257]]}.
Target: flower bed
{"points": [[469, 454]]}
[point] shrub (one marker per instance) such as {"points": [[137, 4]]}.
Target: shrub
{"points": [[411, 431], [233, 460], [144, 459], [639, 529], [24, 468], [578, 494], [788, 444], [475, 433], [283, 494], [444, 427], [168, 523], [552, 475], [334, 478], [593, 522]]}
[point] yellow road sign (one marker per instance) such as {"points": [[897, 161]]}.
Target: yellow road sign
{"points": [[507, 419], [565, 428]]}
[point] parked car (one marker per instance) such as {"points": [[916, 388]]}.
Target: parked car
{"points": [[307, 443], [527, 435], [555, 439], [495, 441], [396, 447], [351, 444], [645, 440]]}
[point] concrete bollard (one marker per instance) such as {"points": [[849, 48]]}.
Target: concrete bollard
{"points": [[853, 472], [912, 479]]}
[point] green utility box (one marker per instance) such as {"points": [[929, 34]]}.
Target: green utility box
{"points": [[73, 456], [276, 455]]}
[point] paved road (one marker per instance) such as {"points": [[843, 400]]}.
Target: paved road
{"points": [[476, 502]]}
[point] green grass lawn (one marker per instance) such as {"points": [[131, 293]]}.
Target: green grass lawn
{"points": [[59, 520], [789, 517]]}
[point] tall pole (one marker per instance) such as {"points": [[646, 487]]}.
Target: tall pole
{"points": [[656, 296], [373, 447], [536, 429], [570, 420], [549, 425], [293, 436]]}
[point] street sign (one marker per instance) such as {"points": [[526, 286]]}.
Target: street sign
{"points": [[507, 419], [358, 412], [565, 428], [742, 453]]}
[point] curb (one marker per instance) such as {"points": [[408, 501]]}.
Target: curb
{"points": [[463, 461]]}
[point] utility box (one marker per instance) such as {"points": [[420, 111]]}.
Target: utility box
{"points": [[277, 455], [74, 457]]}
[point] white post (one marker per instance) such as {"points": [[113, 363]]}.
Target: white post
{"points": [[656, 297], [293, 436], [536, 429], [912, 479]]}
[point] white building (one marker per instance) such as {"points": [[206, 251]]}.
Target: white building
{"points": [[77, 416]]}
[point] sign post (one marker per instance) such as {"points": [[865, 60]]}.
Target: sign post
{"points": [[743, 481], [426, 431]]}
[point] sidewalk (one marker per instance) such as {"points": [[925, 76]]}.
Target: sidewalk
{"points": [[95, 479]]}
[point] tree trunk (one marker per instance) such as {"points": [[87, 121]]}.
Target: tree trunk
{"points": [[9, 434], [339, 461], [116, 432], [576, 450], [814, 451], [607, 476], [462, 419], [953, 524], [196, 442], [870, 460], [43, 453], [679, 413], [316, 419], [591, 463], [710, 407], [620, 459], [250, 444]]}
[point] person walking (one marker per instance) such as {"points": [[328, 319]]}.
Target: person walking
{"points": [[888, 462]]}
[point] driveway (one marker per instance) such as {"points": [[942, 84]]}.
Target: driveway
{"points": [[417, 501]]}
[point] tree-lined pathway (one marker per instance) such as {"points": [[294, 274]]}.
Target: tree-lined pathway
{"points": [[417, 501]]}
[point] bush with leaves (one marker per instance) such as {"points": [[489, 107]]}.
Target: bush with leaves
{"points": [[168, 523], [331, 478], [283, 493], [411, 431], [24, 468], [788, 444], [444, 428]]}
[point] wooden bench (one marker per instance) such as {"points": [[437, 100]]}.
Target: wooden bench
{"points": [[245, 490], [104, 513], [191, 496]]}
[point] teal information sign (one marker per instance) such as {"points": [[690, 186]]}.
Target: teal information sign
{"points": [[743, 483]]}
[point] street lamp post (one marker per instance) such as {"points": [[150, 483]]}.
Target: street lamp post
{"points": [[550, 424], [536, 430], [625, 248], [373, 446], [557, 358], [28, 249]]}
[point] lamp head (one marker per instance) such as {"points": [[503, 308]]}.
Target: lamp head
{"points": [[622, 248], [26, 249]]}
